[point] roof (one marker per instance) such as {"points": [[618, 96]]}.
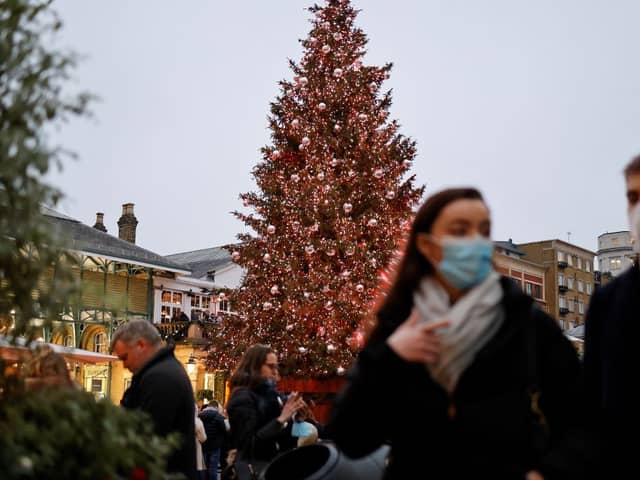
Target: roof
{"points": [[88, 240], [572, 245], [200, 262], [509, 246], [615, 233]]}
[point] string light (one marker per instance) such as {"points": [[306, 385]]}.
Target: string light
{"points": [[329, 211]]}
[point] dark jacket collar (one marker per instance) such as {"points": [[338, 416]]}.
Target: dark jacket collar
{"points": [[157, 357]]}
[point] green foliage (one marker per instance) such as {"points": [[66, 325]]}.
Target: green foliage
{"points": [[63, 433], [31, 103], [53, 433]]}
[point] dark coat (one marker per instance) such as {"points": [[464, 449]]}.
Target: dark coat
{"points": [[611, 364], [162, 389], [255, 430], [483, 429], [215, 429]]}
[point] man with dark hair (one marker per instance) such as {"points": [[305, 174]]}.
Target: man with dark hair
{"points": [[215, 427], [159, 386], [610, 357]]}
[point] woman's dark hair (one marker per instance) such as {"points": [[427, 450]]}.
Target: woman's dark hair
{"points": [[413, 266], [248, 371]]}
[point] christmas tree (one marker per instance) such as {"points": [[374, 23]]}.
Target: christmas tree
{"points": [[332, 205]]}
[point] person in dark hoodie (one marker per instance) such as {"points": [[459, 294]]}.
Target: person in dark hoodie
{"points": [[459, 345], [215, 428], [159, 386]]}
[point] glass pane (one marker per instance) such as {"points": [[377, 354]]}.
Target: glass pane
{"points": [[177, 298], [166, 297]]}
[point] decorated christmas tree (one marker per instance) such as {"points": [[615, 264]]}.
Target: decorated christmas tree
{"points": [[334, 197]]}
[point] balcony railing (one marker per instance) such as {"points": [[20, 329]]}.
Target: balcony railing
{"points": [[562, 264], [563, 310], [563, 288], [191, 332]]}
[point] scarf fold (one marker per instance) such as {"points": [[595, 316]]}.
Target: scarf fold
{"points": [[474, 320]]}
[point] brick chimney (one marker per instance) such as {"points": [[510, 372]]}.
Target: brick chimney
{"points": [[127, 224], [99, 225]]}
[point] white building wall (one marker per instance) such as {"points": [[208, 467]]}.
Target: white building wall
{"points": [[229, 276], [615, 252]]}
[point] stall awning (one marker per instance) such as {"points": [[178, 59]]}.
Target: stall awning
{"points": [[19, 349]]}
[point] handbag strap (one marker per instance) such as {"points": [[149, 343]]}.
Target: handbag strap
{"points": [[532, 366]]}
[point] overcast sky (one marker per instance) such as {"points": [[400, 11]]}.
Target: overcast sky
{"points": [[537, 103]]}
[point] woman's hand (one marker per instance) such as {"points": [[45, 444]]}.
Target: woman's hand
{"points": [[292, 405], [534, 475], [416, 341]]}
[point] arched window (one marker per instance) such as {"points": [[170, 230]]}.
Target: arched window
{"points": [[67, 341], [100, 343]]}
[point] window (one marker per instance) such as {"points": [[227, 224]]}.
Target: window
{"points": [[527, 288], [615, 263], [570, 282], [199, 303], [570, 305], [579, 263], [562, 303], [560, 279], [171, 305], [537, 291], [100, 343], [223, 306], [570, 260], [581, 308], [580, 286], [560, 256], [587, 265], [588, 288], [96, 385]]}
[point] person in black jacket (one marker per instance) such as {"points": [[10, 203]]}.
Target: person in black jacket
{"points": [[258, 420], [457, 345], [216, 429], [612, 330], [159, 386]]}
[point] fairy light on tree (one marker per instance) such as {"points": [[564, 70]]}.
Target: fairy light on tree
{"points": [[333, 195]]}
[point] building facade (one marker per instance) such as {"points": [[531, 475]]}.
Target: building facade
{"points": [[198, 301], [116, 279], [569, 278], [120, 281], [615, 253], [530, 276]]}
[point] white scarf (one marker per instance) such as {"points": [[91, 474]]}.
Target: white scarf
{"points": [[474, 320]]}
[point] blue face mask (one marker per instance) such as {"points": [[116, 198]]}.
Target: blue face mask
{"points": [[466, 262], [301, 429]]}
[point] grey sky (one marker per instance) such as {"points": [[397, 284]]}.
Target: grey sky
{"points": [[537, 103]]}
